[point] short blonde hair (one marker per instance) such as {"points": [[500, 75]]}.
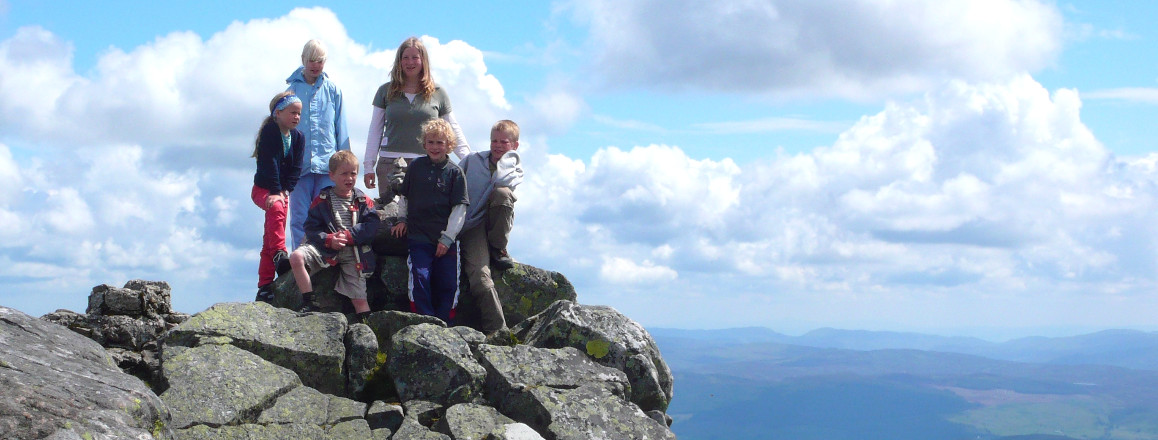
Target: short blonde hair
{"points": [[439, 127], [343, 157], [313, 51], [507, 127]]}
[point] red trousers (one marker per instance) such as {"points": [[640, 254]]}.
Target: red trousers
{"points": [[273, 239]]}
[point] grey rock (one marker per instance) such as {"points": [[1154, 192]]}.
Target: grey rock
{"points": [[222, 385], [386, 323], [361, 358], [584, 413], [155, 296], [660, 417], [351, 429], [341, 409], [412, 430], [384, 415], [517, 431], [310, 344], [109, 300], [526, 291], [424, 412], [610, 339], [510, 370], [300, 405], [468, 420], [433, 363], [55, 383], [120, 331], [295, 431]]}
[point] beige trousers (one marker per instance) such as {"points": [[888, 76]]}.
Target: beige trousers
{"points": [[476, 245]]}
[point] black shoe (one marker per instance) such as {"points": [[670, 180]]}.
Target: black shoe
{"points": [[309, 303], [501, 260], [265, 293], [281, 262], [360, 318]]}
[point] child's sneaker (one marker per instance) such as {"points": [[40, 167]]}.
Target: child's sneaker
{"points": [[310, 303], [265, 294], [281, 262], [501, 260]]}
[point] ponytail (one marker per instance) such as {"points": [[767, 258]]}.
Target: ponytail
{"points": [[268, 119]]}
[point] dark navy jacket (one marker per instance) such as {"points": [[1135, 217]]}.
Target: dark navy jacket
{"points": [[321, 221], [275, 170]]}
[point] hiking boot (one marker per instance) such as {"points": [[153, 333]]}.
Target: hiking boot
{"points": [[501, 260], [281, 263], [310, 303], [265, 293]]}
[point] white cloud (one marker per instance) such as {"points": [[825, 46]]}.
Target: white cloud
{"points": [[618, 270], [851, 49], [974, 189], [199, 101]]}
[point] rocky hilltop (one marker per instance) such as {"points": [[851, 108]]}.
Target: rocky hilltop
{"points": [[131, 368]]}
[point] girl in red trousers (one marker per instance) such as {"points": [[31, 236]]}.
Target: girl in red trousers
{"points": [[278, 150]]}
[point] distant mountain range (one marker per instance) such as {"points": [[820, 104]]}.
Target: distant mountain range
{"points": [[829, 384], [1122, 348]]}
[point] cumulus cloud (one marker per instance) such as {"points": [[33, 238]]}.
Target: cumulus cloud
{"points": [[851, 49], [975, 188], [199, 101]]}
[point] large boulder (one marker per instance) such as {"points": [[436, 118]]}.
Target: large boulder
{"points": [[526, 291], [611, 339], [127, 321], [310, 344], [57, 384], [222, 385], [563, 394], [468, 420], [588, 412], [434, 363]]}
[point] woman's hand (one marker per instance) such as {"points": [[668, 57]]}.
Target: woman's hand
{"points": [[398, 230], [369, 178], [440, 250]]}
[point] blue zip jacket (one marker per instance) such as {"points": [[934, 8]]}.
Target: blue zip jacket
{"points": [[323, 121]]}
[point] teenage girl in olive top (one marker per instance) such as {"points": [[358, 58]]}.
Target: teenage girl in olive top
{"points": [[401, 106]]}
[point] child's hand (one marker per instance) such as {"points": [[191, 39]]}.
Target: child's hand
{"points": [[440, 250], [369, 178], [273, 198], [398, 230], [337, 240]]}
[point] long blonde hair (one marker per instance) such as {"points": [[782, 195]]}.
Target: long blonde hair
{"points": [[425, 81], [268, 119]]}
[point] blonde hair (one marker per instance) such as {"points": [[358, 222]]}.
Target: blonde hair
{"points": [[343, 157], [439, 127], [507, 127], [313, 51], [268, 119], [425, 81]]}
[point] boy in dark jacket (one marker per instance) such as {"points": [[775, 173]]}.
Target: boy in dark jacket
{"points": [[339, 229]]}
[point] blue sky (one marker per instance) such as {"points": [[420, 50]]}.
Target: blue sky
{"points": [[955, 167]]}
